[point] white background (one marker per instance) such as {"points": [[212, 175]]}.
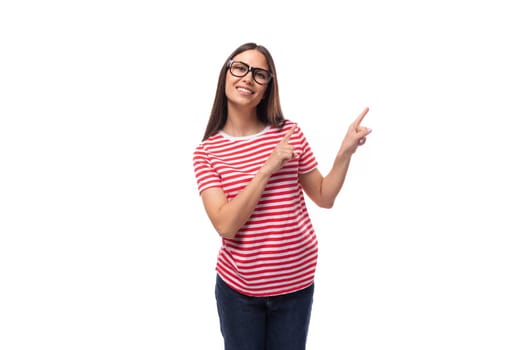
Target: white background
{"points": [[104, 242]]}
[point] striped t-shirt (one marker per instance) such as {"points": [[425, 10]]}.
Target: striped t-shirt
{"points": [[275, 252]]}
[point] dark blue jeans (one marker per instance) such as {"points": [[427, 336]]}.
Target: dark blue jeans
{"points": [[263, 323]]}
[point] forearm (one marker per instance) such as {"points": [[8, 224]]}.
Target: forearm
{"points": [[332, 183], [234, 214]]}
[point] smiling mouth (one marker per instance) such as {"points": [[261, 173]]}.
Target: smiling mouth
{"points": [[245, 91]]}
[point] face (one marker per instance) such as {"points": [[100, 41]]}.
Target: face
{"points": [[244, 91]]}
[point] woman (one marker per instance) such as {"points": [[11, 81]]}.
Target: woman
{"points": [[252, 168]]}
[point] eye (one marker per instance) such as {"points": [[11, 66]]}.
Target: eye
{"points": [[261, 75], [239, 68]]}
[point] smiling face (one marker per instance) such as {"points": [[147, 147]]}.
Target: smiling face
{"points": [[244, 92]]}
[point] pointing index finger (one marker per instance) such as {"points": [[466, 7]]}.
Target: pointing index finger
{"points": [[358, 120], [287, 136]]}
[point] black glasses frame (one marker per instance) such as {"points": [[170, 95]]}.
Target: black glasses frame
{"points": [[249, 69]]}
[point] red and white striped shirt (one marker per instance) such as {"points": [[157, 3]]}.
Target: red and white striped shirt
{"points": [[275, 252]]}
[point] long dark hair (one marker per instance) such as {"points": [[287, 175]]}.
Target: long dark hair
{"points": [[268, 110]]}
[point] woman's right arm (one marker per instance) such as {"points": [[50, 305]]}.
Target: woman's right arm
{"points": [[229, 216]]}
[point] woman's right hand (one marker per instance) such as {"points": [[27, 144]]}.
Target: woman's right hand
{"points": [[282, 153]]}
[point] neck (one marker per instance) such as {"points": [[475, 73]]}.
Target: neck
{"points": [[242, 123]]}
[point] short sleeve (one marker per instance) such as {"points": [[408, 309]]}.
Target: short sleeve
{"points": [[307, 160], [205, 174]]}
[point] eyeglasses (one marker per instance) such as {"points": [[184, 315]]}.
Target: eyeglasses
{"points": [[240, 69]]}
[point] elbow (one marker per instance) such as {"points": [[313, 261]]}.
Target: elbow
{"points": [[224, 228], [225, 232], [325, 203], [323, 199]]}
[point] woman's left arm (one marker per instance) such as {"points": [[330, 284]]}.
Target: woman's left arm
{"points": [[324, 190]]}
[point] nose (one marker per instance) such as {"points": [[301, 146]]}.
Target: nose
{"points": [[248, 78]]}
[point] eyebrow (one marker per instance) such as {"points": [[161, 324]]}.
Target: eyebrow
{"points": [[266, 69]]}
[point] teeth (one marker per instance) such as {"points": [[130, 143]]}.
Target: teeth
{"points": [[244, 90]]}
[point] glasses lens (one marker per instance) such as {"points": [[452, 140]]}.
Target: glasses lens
{"points": [[261, 76], [239, 69]]}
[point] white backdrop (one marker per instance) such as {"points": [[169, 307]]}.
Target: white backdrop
{"points": [[104, 243]]}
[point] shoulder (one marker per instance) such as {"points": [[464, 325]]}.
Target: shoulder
{"points": [[289, 124], [210, 142], [278, 132]]}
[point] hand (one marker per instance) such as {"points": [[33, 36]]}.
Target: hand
{"points": [[281, 153], [356, 134]]}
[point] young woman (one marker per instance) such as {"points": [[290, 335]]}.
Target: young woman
{"points": [[252, 167]]}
